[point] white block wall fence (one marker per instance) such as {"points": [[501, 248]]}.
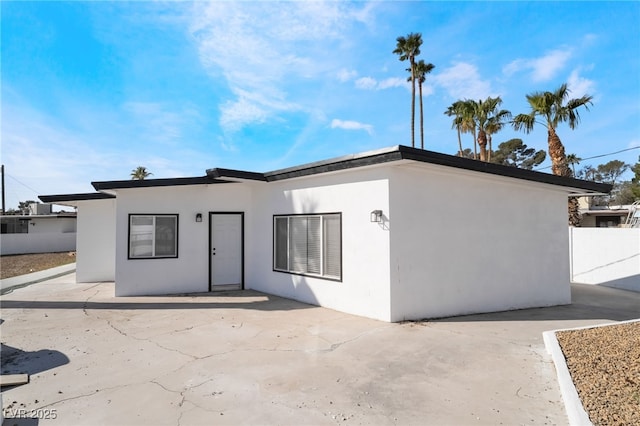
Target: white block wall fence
{"points": [[37, 243], [606, 256]]}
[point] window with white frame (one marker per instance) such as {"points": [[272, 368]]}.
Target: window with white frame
{"points": [[153, 236], [308, 244]]}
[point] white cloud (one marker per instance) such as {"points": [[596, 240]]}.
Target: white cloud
{"points": [[366, 83], [543, 68], [345, 75], [392, 82], [351, 125], [580, 86], [260, 48], [462, 81], [369, 83], [158, 122]]}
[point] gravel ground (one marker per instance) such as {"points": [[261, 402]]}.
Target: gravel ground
{"points": [[605, 367], [20, 264]]}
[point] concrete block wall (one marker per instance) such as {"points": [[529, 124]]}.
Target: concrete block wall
{"points": [[606, 256]]}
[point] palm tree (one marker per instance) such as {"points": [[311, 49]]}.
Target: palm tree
{"points": [[555, 108], [421, 71], [140, 173], [489, 120], [572, 160], [457, 111], [409, 48], [496, 122]]}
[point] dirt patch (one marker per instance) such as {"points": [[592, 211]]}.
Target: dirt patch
{"points": [[20, 264], [604, 363]]}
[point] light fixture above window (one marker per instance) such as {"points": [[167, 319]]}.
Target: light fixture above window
{"points": [[198, 217], [376, 216]]}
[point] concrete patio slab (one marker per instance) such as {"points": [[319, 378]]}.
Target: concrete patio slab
{"points": [[249, 358]]}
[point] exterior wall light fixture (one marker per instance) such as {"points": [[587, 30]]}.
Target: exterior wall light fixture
{"points": [[198, 217], [376, 216]]}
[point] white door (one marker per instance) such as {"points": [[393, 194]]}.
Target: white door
{"points": [[226, 249]]}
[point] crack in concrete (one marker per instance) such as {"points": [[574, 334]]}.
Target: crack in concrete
{"points": [[142, 339], [84, 306], [184, 398]]}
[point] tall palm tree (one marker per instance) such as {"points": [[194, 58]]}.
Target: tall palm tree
{"points": [[421, 71], [554, 108], [140, 173], [407, 49]]}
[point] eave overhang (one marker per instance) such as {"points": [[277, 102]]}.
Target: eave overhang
{"points": [[150, 183], [401, 152]]}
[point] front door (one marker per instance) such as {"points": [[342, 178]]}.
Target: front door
{"points": [[226, 250]]}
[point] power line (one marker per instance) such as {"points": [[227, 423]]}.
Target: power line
{"points": [[23, 184], [596, 156]]}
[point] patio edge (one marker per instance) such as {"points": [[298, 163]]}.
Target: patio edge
{"points": [[9, 284]]}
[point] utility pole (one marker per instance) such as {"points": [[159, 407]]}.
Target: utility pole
{"points": [[4, 211]]}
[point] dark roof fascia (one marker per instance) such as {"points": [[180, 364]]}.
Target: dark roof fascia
{"points": [[385, 155], [402, 152], [75, 197], [148, 183], [335, 164], [431, 157], [218, 173]]}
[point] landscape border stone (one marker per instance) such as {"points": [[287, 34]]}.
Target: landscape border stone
{"points": [[573, 405]]}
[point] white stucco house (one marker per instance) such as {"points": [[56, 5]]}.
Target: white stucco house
{"points": [[394, 234]]}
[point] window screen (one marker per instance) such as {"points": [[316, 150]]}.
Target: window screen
{"points": [[308, 244], [153, 236]]}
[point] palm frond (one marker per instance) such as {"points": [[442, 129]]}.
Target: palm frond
{"points": [[524, 122]]}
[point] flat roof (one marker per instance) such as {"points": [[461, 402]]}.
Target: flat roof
{"points": [[148, 183], [62, 198], [369, 158], [400, 152]]}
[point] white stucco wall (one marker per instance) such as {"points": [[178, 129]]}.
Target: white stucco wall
{"points": [[465, 242], [364, 289], [96, 240], [452, 242], [189, 272], [606, 256]]}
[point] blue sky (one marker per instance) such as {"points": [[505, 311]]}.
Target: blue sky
{"points": [[91, 90]]}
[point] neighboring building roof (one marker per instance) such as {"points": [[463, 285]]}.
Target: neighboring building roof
{"points": [[64, 215], [381, 156]]}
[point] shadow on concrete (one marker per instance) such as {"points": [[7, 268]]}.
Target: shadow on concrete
{"points": [[243, 299], [588, 302], [631, 283], [17, 361], [10, 421]]}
